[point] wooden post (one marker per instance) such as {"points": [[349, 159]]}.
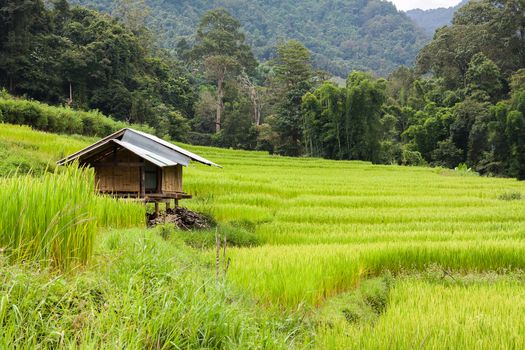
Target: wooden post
{"points": [[217, 253], [142, 182], [156, 209], [168, 205]]}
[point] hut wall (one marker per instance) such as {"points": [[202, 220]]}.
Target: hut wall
{"points": [[119, 179], [172, 179]]}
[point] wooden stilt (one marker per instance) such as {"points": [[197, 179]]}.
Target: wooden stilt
{"points": [[156, 209]]}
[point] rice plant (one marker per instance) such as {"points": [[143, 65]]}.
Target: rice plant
{"points": [[53, 219], [425, 315], [322, 228], [328, 224]]}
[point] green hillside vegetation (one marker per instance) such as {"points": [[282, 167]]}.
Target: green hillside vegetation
{"points": [[432, 19], [342, 248], [352, 35], [366, 247], [461, 105], [90, 61], [23, 151]]}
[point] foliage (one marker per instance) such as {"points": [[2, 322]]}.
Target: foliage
{"points": [[88, 60], [62, 120], [354, 35], [220, 48], [52, 219], [292, 79], [344, 123], [143, 292], [489, 27]]}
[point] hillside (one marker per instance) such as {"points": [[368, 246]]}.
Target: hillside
{"points": [[342, 35], [430, 20], [345, 248]]}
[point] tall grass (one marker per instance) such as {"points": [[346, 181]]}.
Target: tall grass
{"points": [[424, 315], [144, 293], [325, 226], [53, 219], [291, 275]]}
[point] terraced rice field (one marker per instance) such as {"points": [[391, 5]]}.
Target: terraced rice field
{"points": [[327, 226], [330, 229]]}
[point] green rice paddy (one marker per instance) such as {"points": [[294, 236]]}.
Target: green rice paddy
{"points": [[326, 228]]}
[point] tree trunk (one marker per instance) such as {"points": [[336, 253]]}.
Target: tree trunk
{"points": [[220, 104], [257, 115], [255, 102]]}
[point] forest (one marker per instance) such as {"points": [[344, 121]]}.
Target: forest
{"points": [[461, 104], [352, 37]]}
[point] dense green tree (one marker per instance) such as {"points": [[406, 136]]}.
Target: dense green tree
{"points": [[292, 78], [483, 75], [495, 28], [447, 154], [239, 130], [364, 101], [220, 47], [63, 54], [345, 123], [517, 81], [343, 36]]}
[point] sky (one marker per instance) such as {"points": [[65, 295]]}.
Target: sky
{"points": [[405, 5]]}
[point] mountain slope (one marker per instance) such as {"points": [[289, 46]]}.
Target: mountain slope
{"points": [[343, 35], [430, 20]]}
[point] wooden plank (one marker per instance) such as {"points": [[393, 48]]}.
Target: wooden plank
{"points": [[142, 182], [159, 180]]}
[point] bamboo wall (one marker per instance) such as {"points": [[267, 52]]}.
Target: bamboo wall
{"points": [[119, 179], [172, 179]]}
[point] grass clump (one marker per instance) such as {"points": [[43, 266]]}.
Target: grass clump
{"points": [[511, 196], [364, 305], [52, 220], [237, 234], [144, 293]]}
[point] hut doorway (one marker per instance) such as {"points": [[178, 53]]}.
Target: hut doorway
{"points": [[151, 178]]}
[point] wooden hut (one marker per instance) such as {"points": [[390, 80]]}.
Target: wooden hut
{"points": [[134, 164]]}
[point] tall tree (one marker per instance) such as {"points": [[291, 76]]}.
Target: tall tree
{"points": [[364, 102], [21, 25], [494, 27], [345, 123], [483, 75], [220, 47], [292, 78]]}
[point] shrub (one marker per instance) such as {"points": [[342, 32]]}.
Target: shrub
{"points": [[412, 158], [59, 119], [511, 196]]}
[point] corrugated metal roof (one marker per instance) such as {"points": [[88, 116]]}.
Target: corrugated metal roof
{"points": [[146, 155], [154, 147], [146, 146], [173, 147]]}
